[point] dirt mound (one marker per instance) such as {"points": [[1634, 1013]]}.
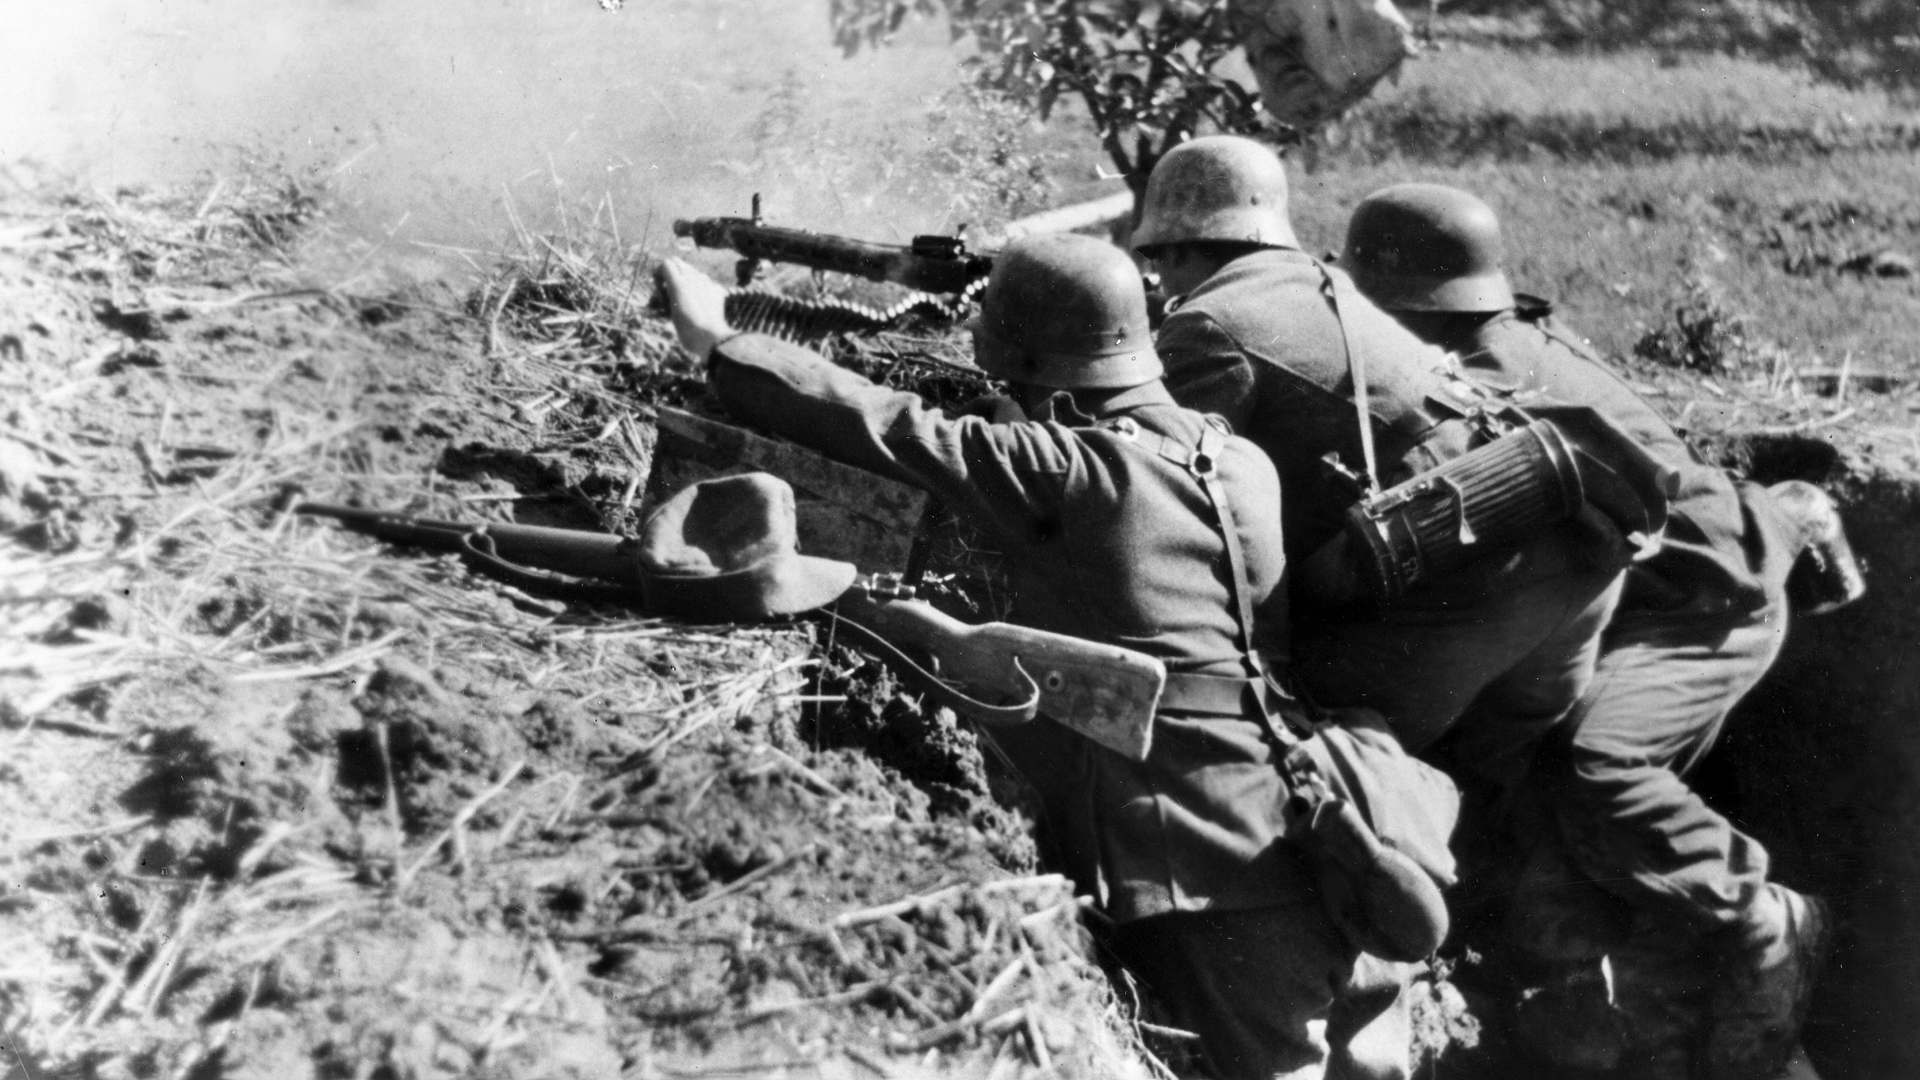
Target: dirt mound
{"points": [[411, 996], [277, 801]]}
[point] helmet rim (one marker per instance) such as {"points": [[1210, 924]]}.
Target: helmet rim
{"points": [[1117, 370], [1216, 188], [1065, 311], [1428, 247], [1473, 294]]}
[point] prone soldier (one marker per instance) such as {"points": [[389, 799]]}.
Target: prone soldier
{"points": [[1130, 520], [1699, 624]]}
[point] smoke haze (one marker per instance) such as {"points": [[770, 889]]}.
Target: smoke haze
{"points": [[433, 117]]}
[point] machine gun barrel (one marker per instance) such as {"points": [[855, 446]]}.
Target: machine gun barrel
{"points": [[932, 264]]}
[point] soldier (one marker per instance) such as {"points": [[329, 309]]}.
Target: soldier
{"points": [[1266, 336], [1125, 519], [1698, 626]]}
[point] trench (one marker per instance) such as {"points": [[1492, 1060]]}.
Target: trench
{"points": [[1821, 763]]}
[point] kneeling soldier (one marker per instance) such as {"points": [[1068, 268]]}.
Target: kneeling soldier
{"points": [[1330, 386], [1698, 626], [1129, 520]]}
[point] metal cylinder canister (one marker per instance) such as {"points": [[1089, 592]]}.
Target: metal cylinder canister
{"points": [[1499, 494]]}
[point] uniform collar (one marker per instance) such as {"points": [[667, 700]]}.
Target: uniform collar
{"points": [[1251, 260], [1064, 407]]}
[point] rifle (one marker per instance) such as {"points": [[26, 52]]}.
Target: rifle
{"points": [[1104, 692]]}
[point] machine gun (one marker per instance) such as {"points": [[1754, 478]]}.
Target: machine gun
{"points": [[943, 275], [1011, 673], [930, 264]]}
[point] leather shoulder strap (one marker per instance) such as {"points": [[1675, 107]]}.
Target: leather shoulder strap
{"points": [[1342, 296], [1203, 461], [1205, 466]]}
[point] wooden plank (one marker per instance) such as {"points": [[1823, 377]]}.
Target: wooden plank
{"points": [[843, 512]]}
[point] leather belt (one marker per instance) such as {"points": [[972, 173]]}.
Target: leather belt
{"points": [[1256, 699], [1214, 695], [1226, 695]]}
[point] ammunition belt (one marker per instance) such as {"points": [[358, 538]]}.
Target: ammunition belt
{"points": [[806, 321]]}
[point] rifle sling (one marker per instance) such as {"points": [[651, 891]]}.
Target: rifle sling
{"points": [[488, 562], [1224, 695], [928, 683]]}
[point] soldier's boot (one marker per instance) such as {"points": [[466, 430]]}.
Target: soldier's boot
{"points": [[1563, 930], [1767, 970], [1825, 575]]}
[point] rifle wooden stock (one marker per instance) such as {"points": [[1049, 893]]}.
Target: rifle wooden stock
{"points": [[922, 267], [1104, 692]]}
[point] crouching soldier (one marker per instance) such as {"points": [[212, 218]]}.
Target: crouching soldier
{"points": [[1335, 391], [1699, 624], [1128, 520]]}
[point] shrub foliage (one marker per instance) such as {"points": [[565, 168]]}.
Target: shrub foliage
{"points": [[1703, 333], [1144, 70]]}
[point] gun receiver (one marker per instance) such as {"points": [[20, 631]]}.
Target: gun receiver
{"points": [[1104, 692], [931, 264]]}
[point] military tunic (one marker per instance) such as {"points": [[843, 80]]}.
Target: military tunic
{"points": [[1107, 539], [1260, 344], [1698, 627], [1513, 636], [1714, 556]]}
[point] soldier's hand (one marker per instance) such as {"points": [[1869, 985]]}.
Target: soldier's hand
{"points": [[698, 305]]}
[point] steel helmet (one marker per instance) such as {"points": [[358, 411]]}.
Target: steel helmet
{"points": [[1068, 312], [1221, 187], [1427, 247]]}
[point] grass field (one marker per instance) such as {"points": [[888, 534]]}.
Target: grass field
{"points": [[1638, 86], [1620, 174], [1609, 240]]}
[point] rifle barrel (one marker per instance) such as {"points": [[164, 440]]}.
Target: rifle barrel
{"points": [[575, 552]]}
